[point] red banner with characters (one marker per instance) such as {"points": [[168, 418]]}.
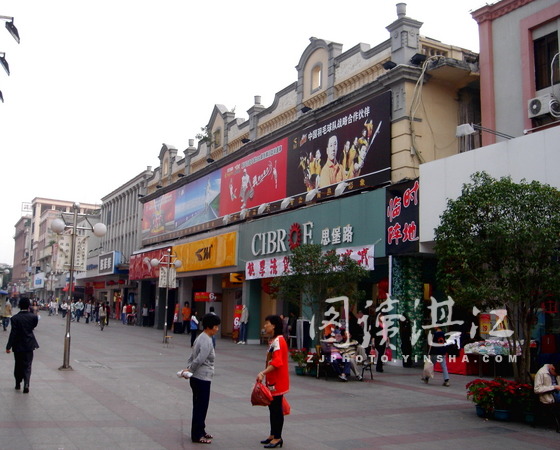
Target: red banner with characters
{"points": [[256, 179]]}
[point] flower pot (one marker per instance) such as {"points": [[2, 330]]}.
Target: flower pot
{"points": [[529, 417], [480, 411], [300, 370], [502, 414], [312, 371]]}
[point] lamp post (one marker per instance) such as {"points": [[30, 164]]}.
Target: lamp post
{"points": [[69, 221], [168, 279]]}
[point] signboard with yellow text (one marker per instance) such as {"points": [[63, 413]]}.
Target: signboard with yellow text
{"points": [[214, 252]]}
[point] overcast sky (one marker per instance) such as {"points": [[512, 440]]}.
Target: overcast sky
{"points": [[96, 87]]}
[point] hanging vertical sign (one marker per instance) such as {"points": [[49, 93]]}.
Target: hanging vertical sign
{"points": [[401, 219]]}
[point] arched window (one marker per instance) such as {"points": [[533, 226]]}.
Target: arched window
{"points": [[316, 77]]}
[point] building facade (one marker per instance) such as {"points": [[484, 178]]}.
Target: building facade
{"points": [[334, 161]]}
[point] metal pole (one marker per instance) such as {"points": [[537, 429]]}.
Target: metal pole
{"points": [[166, 304], [66, 361]]}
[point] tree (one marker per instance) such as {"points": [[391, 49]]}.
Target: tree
{"points": [[498, 246], [315, 276]]}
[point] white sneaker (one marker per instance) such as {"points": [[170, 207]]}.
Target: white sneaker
{"points": [[239, 342]]}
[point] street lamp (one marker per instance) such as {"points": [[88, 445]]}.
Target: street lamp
{"points": [[167, 279], [69, 221]]}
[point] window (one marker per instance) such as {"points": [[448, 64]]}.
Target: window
{"points": [[217, 138], [545, 48], [316, 77]]}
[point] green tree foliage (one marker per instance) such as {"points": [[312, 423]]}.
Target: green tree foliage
{"points": [[498, 246], [316, 275]]}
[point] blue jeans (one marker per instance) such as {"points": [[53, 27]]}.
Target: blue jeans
{"points": [[243, 332], [5, 322], [443, 361]]}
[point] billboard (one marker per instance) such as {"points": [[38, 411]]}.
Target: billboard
{"points": [[352, 146]]}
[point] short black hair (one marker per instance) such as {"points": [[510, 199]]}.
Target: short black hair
{"points": [[277, 322], [23, 303], [210, 321], [557, 367]]}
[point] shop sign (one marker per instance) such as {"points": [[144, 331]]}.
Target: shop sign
{"points": [[282, 240], [402, 218], [277, 266], [207, 297]]}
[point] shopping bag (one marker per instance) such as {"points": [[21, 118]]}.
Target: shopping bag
{"points": [[428, 369], [261, 395], [286, 408], [389, 353]]}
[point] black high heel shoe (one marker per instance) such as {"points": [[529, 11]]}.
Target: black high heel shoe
{"points": [[280, 443], [267, 441]]}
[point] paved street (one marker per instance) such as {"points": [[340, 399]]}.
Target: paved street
{"points": [[123, 394]]}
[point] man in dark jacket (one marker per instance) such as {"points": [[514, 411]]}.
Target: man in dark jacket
{"points": [[22, 341]]}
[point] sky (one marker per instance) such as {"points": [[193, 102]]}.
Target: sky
{"points": [[96, 87]]}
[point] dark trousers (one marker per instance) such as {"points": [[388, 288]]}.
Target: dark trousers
{"points": [[193, 336], [22, 367], [276, 416], [200, 400], [380, 353]]}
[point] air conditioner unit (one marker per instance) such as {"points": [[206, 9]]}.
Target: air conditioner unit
{"points": [[542, 105]]}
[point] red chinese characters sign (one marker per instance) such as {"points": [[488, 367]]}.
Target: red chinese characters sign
{"points": [[401, 219]]}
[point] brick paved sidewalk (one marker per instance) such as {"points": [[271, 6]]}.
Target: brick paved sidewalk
{"points": [[123, 394]]}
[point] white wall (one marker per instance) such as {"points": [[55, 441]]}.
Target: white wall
{"points": [[533, 157]]}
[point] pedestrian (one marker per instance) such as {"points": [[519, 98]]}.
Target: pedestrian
{"points": [[186, 313], [145, 315], [194, 327], [108, 313], [277, 378], [201, 365], [438, 353], [243, 325], [79, 309], [406, 343], [22, 341], [88, 310], [64, 308], [6, 314], [212, 311], [380, 338], [102, 316]]}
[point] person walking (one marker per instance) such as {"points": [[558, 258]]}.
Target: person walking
{"points": [[22, 341], [380, 338], [438, 353], [6, 314], [186, 313], [277, 378], [201, 365], [102, 316], [194, 327], [243, 325]]}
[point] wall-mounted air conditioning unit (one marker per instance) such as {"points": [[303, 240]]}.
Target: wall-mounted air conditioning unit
{"points": [[542, 105]]}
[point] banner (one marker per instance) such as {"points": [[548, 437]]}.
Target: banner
{"points": [[236, 321]]}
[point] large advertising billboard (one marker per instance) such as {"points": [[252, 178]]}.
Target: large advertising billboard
{"points": [[352, 147], [353, 143]]}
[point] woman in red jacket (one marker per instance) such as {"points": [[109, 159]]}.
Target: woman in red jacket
{"points": [[277, 378]]}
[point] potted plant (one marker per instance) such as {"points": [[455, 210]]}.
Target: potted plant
{"points": [[481, 394], [504, 397], [312, 361], [525, 400], [300, 358]]}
